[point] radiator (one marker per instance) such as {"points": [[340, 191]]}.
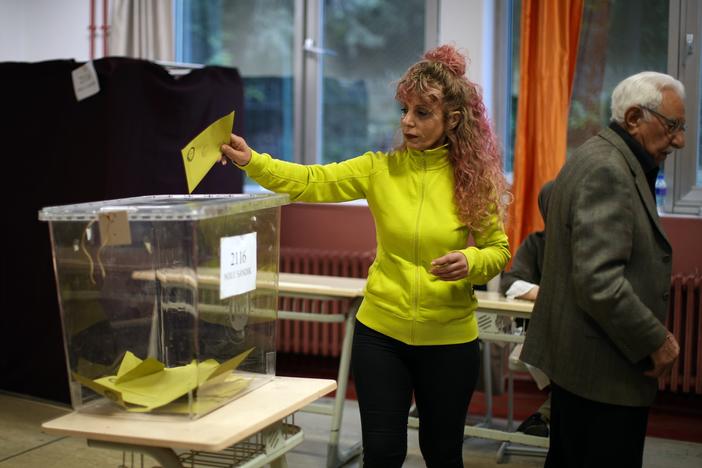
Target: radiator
{"points": [[685, 322], [319, 339]]}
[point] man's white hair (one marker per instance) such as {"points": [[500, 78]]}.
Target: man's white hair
{"points": [[643, 89]]}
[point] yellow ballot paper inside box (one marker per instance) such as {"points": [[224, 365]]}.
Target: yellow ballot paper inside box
{"points": [[203, 151], [144, 385]]}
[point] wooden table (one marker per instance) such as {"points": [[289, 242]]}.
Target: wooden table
{"points": [[260, 411]]}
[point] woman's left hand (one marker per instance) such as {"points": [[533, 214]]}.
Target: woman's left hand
{"points": [[451, 267]]}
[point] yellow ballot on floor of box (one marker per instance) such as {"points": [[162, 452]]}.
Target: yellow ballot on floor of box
{"points": [[144, 385], [203, 151]]}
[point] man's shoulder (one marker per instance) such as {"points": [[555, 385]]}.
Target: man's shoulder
{"points": [[601, 149], [605, 138], [597, 156]]}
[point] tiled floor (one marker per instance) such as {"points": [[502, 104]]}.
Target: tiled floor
{"points": [[23, 445]]}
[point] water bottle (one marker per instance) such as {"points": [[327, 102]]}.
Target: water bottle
{"points": [[661, 191]]}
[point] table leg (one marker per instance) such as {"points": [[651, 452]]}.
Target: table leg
{"points": [[510, 394], [274, 440], [507, 448], [487, 381], [335, 457]]}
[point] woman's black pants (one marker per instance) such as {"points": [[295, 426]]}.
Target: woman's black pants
{"points": [[386, 372]]}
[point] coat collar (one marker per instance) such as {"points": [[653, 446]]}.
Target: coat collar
{"points": [[430, 159], [648, 164], [639, 177]]}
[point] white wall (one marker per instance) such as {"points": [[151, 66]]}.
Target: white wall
{"points": [[470, 24], [34, 30], [37, 30]]}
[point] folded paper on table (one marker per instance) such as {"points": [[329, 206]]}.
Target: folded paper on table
{"points": [[144, 385]]}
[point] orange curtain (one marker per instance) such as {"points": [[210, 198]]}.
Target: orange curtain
{"points": [[549, 47]]}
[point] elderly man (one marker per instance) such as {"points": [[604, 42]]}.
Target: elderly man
{"points": [[598, 324]]}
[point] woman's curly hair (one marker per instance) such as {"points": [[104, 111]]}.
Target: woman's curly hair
{"points": [[480, 186]]}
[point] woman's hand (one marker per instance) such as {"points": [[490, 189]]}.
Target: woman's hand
{"points": [[237, 150], [451, 267]]}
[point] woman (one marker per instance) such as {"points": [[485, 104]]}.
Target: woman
{"points": [[416, 330]]}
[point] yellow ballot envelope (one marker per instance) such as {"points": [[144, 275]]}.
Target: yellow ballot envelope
{"points": [[203, 151], [144, 385]]}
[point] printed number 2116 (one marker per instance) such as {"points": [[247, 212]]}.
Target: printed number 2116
{"points": [[238, 257]]}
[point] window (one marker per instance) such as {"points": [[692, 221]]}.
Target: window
{"points": [[257, 37], [371, 44], [619, 38], [318, 75], [684, 171]]}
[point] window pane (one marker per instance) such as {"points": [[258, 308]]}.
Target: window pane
{"points": [[617, 38], [698, 179], [257, 39], [372, 43]]}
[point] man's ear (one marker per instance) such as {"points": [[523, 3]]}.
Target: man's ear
{"points": [[633, 117]]}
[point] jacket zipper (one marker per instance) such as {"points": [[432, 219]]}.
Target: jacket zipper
{"points": [[418, 267]]}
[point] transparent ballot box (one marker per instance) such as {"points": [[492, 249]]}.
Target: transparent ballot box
{"points": [[168, 303]]}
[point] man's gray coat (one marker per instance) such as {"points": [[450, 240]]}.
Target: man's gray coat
{"points": [[604, 292]]}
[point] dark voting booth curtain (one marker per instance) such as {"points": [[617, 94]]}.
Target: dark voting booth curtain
{"points": [[124, 141]]}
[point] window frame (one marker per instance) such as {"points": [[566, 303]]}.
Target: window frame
{"points": [[502, 100], [308, 66], [681, 168], [685, 18]]}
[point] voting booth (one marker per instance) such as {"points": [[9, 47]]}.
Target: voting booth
{"points": [[168, 303]]}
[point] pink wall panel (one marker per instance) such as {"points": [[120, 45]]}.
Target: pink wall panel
{"points": [[685, 233], [351, 228]]}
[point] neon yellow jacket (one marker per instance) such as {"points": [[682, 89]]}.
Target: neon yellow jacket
{"points": [[410, 195]]}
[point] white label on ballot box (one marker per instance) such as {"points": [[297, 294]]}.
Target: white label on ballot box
{"points": [[237, 265]]}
